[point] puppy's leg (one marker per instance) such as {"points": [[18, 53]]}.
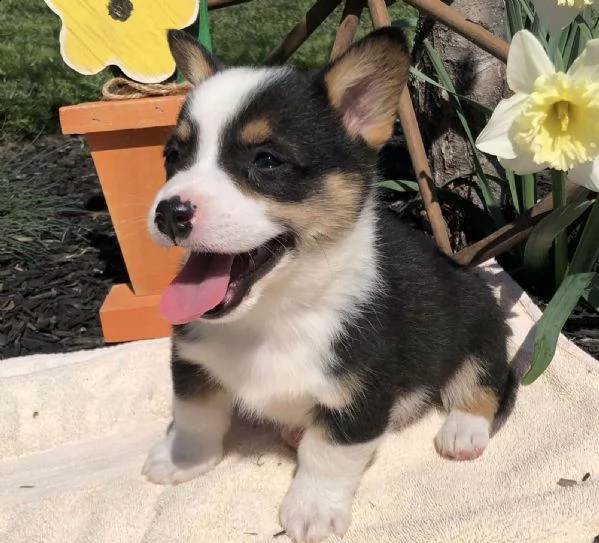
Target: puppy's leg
{"points": [[331, 462], [194, 441], [472, 404]]}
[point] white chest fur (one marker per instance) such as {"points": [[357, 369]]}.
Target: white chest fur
{"points": [[276, 359], [278, 371]]}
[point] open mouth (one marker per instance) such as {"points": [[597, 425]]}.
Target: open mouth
{"points": [[212, 284]]}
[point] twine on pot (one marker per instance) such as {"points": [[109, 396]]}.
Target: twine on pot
{"points": [[120, 88]]}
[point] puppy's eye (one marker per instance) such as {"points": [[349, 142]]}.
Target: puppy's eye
{"points": [[171, 154], [266, 161]]}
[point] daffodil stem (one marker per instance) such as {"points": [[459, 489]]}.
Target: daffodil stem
{"points": [[529, 194], [561, 240]]}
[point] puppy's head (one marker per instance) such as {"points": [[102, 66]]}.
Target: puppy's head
{"points": [[267, 164]]}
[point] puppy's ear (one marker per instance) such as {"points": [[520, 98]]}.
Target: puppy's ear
{"points": [[194, 61], [364, 84]]}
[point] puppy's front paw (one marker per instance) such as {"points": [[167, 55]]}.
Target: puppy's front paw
{"points": [[463, 436], [311, 512], [178, 458]]}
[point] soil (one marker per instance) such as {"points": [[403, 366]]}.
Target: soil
{"points": [[51, 304]]}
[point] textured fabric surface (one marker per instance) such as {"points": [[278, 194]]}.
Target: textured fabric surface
{"points": [[75, 429]]}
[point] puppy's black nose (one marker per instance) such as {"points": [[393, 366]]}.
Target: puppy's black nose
{"points": [[173, 218]]}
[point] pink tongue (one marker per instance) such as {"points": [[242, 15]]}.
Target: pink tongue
{"points": [[200, 286]]}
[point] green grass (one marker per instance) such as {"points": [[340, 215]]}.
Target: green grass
{"points": [[31, 216], [248, 32], [34, 81]]}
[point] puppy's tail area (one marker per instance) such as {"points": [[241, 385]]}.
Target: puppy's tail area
{"points": [[507, 401]]}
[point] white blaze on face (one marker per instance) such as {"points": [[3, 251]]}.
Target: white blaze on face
{"points": [[225, 220]]}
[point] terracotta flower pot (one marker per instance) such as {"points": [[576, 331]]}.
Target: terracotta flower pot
{"points": [[125, 138]]}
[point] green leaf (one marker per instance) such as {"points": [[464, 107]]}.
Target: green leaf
{"points": [[571, 49], [558, 189], [399, 185], [591, 295], [538, 246], [585, 36], [529, 190], [595, 29], [514, 18], [445, 196], [552, 321], [511, 181], [204, 36], [405, 22], [540, 32], [477, 105], [587, 250], [474, 213], [489, 197], [527, 9], [555, 47]]}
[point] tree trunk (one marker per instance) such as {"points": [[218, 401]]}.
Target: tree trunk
{"points": [[475, 74]]}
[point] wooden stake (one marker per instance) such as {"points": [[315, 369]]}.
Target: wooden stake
{"points": [[510, 235], [411, 131], [350, 20], [302, 31]]}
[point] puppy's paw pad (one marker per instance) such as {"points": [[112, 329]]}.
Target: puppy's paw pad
{"points": [[174, 461], [310, 518], [463, 436]]}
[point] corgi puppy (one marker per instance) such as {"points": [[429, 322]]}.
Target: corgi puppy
{"points": [[304, 301]]}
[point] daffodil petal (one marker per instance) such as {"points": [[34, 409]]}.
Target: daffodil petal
{"points": [[526, 61], [523, 164], [494, 138], [586, 174], [586, 64], [554, 17]]}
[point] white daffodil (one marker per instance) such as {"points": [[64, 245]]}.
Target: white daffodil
{"points": [[552, 120], [556, 14]]}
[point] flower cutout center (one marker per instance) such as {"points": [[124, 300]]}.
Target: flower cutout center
{"points": [[578, 4], [120, 10], [559, 122]]}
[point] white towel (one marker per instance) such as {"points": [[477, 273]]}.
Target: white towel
{"points": [[75, 429]]}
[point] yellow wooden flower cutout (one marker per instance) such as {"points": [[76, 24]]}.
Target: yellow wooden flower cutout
{"points": [[130, 34]]}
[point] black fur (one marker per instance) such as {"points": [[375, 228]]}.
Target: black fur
{"points": [[308, 140], [430, 316], [190, 380], [179, 153]]}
